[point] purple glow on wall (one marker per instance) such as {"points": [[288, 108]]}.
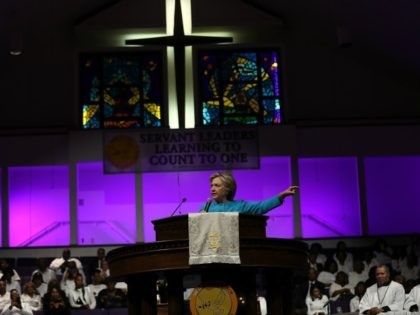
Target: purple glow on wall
{"points": [[273, 177], [106, 206], [393, 199], [39, 206], [329, 197], [1, 210], [162, 192]]}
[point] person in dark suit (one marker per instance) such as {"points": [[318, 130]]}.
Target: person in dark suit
{"points": [[302, 291], [96, 262]]}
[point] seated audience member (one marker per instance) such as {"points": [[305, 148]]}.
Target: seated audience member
{"points": [[15, 306], [371, 280], [54, 283], [369, 260], [317, 302], [340, 286], [409, 302], [95, 263], [343, 256], [31, 297], [312, 261], [55, 302], [11, 284], [40, 286], [44, 269], [412, 303], [97, 284], [358, 273], [67, 281], [4, 295], [343, 262], [123, 286], [398, 258], [340, 294], [81, 297], [59, 265], [327, 276], [410, 270], [383, 296], [4, 265], [382, 252], [111, 297], [105, 272], [302, 290], [359, 291], [316, 249], [409, 285]]}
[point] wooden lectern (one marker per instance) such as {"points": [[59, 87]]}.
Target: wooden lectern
{"points": [[274, 260]]}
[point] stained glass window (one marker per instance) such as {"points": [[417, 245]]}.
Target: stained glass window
{"points": [[239, 87], [122, 90]]}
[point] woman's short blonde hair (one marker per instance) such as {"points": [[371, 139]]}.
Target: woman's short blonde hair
{"points": [[228, 181]]}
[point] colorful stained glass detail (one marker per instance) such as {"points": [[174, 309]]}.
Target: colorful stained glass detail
{"points": [[239, 87], [91, 117], [121, 91]]}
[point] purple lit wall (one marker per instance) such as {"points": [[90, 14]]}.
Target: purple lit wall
{"points": [[393, 199], [39, 206], [106, 211], [329, 197], [1, 210], [162, 192], [273, 177]]}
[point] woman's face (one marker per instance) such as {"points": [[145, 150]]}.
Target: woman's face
{"points": [[316, 294], [78, 281], [55, 294], [218, 190]]}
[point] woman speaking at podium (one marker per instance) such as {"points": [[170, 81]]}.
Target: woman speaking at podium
{"points": [[223, 189]]}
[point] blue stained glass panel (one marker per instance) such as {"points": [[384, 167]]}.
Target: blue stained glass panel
{"points": [[245, 82], [117, 90], [91, 118], [118, 70]]}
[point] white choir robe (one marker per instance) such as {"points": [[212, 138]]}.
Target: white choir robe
{"points": [[413, 298], [317, 305], [392, 296], [354, 304], [326, 277]]}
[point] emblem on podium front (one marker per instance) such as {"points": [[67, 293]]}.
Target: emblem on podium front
{"points": [[213, 300]]}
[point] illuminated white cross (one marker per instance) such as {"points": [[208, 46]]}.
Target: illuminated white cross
{"points": [[179, 43]]}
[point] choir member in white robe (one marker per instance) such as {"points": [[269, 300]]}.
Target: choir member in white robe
{"points": [[359, 291], [412, 302], [384, 296], [316, 302]]}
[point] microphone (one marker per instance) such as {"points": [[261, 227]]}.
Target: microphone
{"points": [[207, 206], [179, 205]]}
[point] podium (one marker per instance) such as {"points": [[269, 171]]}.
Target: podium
{"points": [[271, 259]]}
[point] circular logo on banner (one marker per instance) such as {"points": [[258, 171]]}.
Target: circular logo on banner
{"points": [[213, 300], [122, 151]]}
